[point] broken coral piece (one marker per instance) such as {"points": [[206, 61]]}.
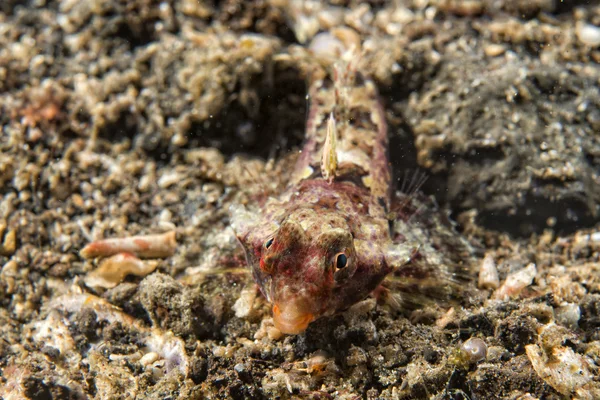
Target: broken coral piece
{"points": [[563, 369], [168, 346], [54, 332], [516, 282], [148, 246], [245, 303], [113, 270]]}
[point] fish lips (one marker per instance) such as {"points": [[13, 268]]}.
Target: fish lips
{"points": [[291, 318]]}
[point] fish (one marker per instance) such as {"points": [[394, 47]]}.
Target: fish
{"points": [[328, 240]]}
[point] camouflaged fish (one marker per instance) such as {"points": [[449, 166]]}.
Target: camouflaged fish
{"points": [[326, 242]]}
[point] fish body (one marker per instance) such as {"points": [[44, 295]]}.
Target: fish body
{"points": [[325, 242]]}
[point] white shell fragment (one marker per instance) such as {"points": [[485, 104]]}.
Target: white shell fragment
{"points": [[488, 273], [54, 332], [166, 345], [170, 348], [516, 282], [113, 270], [149, 358], [561, 368], [568, 314]]}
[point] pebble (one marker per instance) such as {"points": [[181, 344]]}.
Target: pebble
{"points": [[568, 314], [9, 245], [588, 34], [149, 358], [475, 349], [494, 50], [243, 372]]}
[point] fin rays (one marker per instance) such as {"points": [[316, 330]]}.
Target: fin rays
{"points": [[329, 161]]}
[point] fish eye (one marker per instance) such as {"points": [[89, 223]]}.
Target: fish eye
{"points": [[341, 261], [268, 243]]}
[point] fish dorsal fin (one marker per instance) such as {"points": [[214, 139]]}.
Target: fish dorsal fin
{"points": [[329, 160]]}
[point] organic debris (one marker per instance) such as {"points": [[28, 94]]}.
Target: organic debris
{"points": [[114, 269]]}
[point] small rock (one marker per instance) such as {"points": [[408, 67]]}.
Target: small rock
{"points": [[588, 34], [568, 314], [242, 371], [356, 356], [149, 358], [244, 304], [475, 349], [51, 352], [494, 50], [9, 245]]}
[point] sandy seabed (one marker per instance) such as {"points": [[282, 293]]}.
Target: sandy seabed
{"points": [[124, 118]]}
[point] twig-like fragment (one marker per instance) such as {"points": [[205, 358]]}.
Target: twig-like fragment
{"points": [[149, 246]]}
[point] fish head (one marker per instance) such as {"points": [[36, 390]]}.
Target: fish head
{"points": [[303, 270], [311, 265]]}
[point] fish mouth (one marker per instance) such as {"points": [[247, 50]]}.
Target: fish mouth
{"points": [[291, 318]]}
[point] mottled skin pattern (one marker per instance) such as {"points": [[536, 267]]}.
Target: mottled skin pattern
{"points": [[362, 141], [325, 244]]}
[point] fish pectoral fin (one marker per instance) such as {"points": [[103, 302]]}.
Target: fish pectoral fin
{"points": [[399, 254]]}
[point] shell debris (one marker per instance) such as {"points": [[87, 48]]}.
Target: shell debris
{"points": [[568, 314], [114, 269], [488, 273], [516, 282], [54, 332], [165, 344], [561, 367], [244, 305]]}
